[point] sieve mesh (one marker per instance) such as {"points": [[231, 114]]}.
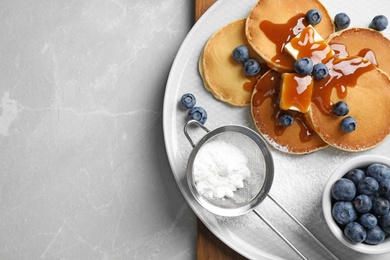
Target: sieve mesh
{"points": [[256, 165], [259, 163]]}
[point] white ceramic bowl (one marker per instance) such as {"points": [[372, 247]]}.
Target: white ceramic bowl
{"points": [[356, 162]]}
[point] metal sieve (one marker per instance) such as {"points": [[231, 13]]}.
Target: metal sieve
{"points": [[260, 164], [255, 189]]}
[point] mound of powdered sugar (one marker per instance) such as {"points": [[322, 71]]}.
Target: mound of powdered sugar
{"points": [[219, 169]]}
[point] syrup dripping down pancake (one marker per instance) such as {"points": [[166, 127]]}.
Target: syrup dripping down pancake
{"points": [[366, 90], [363, 42], [299, 138]]}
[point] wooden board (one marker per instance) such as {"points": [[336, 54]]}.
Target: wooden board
{"points": [[208, 245]]}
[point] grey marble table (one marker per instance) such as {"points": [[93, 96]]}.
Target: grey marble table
{"points": [[83, 168]]}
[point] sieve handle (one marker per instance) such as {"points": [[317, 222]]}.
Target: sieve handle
{"points": [[279, 234], [197, 123], [302, 226], [296, 221]]}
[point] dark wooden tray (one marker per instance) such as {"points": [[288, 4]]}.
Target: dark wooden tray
{"points": [[208, 245]]}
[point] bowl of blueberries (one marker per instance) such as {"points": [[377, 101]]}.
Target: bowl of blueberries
{"points": [[356, 204]]}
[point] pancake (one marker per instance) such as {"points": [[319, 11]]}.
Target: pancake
{"points": [[222, 75], [272, 23], [366, 90], [299, 138], [202, 73], [364, 42]]}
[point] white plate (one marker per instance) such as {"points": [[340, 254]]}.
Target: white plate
{"points": [[299, 180]]}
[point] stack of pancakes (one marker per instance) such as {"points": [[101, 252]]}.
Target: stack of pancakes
{"points": [[358, 75]]}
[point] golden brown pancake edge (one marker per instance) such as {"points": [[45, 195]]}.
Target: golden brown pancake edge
{"points": [[221, 75], [279, 12]]}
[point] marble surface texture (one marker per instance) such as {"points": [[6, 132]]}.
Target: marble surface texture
{"points": [[83, 168]]}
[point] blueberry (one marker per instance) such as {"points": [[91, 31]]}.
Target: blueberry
{"points": [[341, 108], [251, 67], [304, 66], [188, 100], [368, 186], [380, 206], [379, 23], [348, 124], [368, 220], [343, 189], [341, 21], [362, 203], [385, 223], [344, 212], [320, 71], [241, 53], [198, 113], [313, 16], [355, 175], [355, 232], [375, 236], [286, 119], [378, 171], [384, 188]]}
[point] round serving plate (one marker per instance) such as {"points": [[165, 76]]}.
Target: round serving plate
{"points": [[299, 179]]}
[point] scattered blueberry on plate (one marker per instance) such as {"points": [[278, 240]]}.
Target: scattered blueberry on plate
{"points": [[379, 23], [188, 100], [198, 114], [341, 21]]}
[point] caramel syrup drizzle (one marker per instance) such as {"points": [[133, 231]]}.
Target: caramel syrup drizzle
{"points": [[369, 55], [250, 85], [318, 51], [343, 72], [281, 34], [268, 87], [340, 50]]}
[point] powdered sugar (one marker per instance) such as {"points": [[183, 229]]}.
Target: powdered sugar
{"points": [[220, 169]]}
